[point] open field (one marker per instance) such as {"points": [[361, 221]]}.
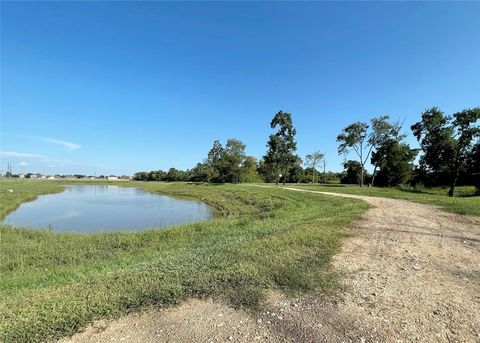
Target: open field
{"points": [[462, 203], [410, 273], [268, 239]]}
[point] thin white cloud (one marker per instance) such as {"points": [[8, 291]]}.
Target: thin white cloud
{"points": [[24, 164], [68, 145], [13, 154]]}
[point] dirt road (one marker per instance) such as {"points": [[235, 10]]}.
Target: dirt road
{"points": [[412, 273]]}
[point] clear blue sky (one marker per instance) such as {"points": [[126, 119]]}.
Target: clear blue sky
{"points": [[118, 87]]}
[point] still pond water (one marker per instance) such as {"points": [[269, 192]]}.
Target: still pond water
{"points": [[102, 208]]}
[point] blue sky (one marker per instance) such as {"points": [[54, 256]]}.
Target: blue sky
{"points": [[118, 87]]}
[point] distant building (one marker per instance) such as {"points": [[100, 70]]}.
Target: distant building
{"points": [[37, 176], [112, 177]]}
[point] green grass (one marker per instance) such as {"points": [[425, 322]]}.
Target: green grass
{"points": [[462, 203], [14, 192], [53, 284]]}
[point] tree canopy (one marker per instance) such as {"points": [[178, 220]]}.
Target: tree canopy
{"points": [[449, 146], [447, 143], [312, 160], [281, 146]]}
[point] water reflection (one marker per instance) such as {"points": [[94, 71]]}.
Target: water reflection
{"points": [[96, 208]]}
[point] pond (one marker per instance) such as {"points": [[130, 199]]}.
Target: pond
{"points": [[100, 208]]}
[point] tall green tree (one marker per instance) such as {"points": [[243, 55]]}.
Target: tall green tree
{"points": [[447, 142], [363, 139], [354, 137], [436, 141], [466, 128], [248, 171], [272, 160], [312, 160], [225, 162], [215, 161], [174, 174], [353, 172], [473, 167], [394, 160], [382, 132], [295, 173], [281, 146], [200, 173], [267, 171], [233, 158]]}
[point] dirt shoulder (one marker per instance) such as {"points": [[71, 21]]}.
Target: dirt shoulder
{"points": [[411, 273]]}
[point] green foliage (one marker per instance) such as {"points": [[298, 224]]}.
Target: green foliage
{"points": [[447, 143], [281, 146], [267, 171], [201, 173], [215, 161], [295, 172], [154, 175], [383, 130], [472, 169], [223, 164], [234, 157], [356, 137], [248, 171], [227, 164], [395, 161], [312, 160], [436, 142], [353, 172], [52, 284]]}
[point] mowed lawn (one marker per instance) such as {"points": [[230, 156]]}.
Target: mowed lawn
{"points": [[53, 284], [464, 201]]}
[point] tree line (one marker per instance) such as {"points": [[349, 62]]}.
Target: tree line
{"points": [[449, 155]]}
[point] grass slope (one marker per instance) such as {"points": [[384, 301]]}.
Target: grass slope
{"points": [[463, 203], [53, 284], [14, 192]]}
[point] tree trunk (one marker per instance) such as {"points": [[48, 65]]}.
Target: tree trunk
{"points": [[361, 177], [277, 176], [453, 183], [324, 179], [361, 164], [285, 176], [373, 176], [454, 176]]}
